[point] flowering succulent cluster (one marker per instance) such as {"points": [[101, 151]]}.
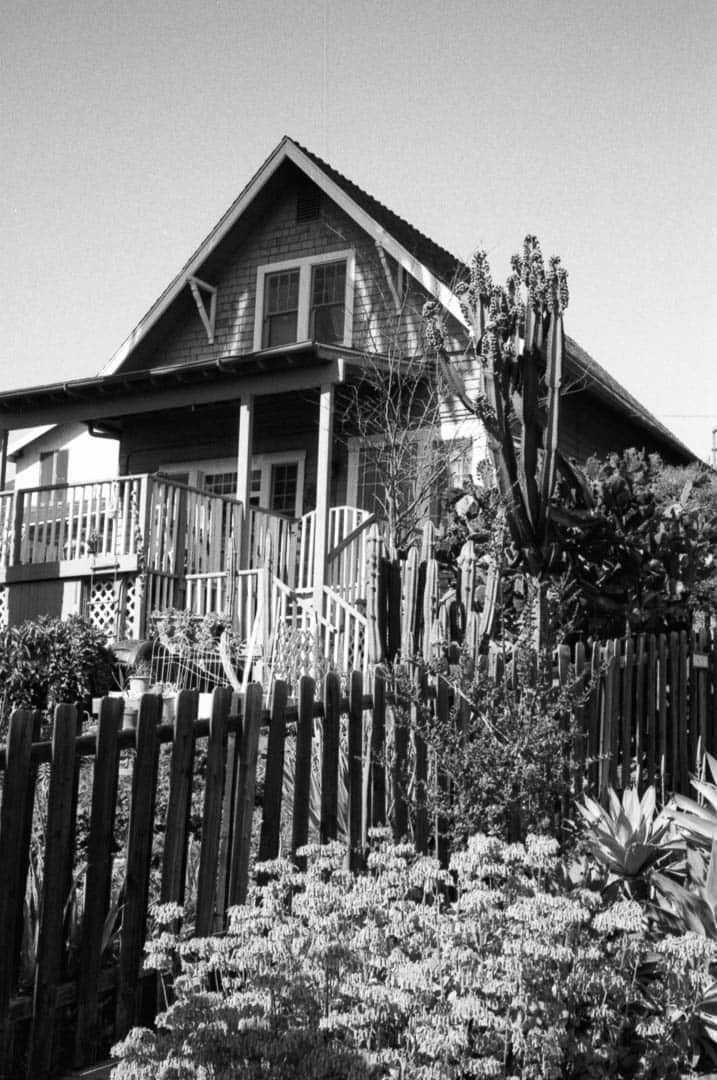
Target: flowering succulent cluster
{"points": [[407, 970]]}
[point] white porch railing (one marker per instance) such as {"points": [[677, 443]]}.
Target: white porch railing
{"points": [[346, 552]]}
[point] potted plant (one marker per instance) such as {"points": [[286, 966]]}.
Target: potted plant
{"points": [[139, 678]]}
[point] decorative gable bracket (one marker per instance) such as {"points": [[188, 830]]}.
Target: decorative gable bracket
{"points": [[205, 294]]}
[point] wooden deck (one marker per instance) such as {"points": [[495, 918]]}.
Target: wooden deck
{"points": [[121, 548]]}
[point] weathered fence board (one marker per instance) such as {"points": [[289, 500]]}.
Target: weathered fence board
{"points": [[57, 870], [139, 855], [212, 813], [176, 839], [98, 879]]}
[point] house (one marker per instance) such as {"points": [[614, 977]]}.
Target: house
{"points": [[59, 454], [230, 394]]}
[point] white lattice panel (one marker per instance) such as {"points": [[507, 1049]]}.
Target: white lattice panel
{"points": [[103, 606], [130, 608], [3, 607]]}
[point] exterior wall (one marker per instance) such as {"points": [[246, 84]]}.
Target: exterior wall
{"points": [[278, 238], [89, 458]]}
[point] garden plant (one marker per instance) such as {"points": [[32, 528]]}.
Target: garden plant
{"points": [[503, 966]]}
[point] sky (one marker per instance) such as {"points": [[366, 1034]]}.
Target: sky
{"points": [[128, 128]]}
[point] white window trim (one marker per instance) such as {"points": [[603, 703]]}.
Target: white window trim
{"points": [[305, 266], [196, 470]]}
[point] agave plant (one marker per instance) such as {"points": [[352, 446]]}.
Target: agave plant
{"points": [[696, 819], [628, 838], [691, 906]]}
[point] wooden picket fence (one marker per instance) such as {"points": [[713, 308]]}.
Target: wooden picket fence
{"points": [[74, 1005], [648, 702], [650, 709]]}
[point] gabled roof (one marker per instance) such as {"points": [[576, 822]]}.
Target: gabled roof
{"points": [[433, 266], [430, 264], [585, 373]]}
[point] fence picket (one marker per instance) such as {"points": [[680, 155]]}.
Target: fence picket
{"points": [[227, 820], [244, 803], [627, 671], [378, 749], [355, 778], [176, 830], [98, 878], [274, 779], [684, 756], [330, 760], [662, 711], [57, 869], [139, 855], [18, 791], [302, 769], [212, 812], [399, 767]]}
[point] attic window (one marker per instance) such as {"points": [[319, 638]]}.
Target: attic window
{"points": [[308, 203], [305, 299]]}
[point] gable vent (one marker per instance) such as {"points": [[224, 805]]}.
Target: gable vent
{"points": [[308, 203]]}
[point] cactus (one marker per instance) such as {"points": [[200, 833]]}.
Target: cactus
{"points": [[517, 332]]}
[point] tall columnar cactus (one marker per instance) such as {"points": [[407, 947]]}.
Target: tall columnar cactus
{"points": [[517, 332]]}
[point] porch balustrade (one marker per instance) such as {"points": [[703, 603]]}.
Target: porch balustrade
{"points": [[183, 545]]}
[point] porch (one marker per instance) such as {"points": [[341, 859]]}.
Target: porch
{"points": [[118, 549]]}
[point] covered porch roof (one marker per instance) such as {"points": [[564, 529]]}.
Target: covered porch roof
{"points": [[104, 397]]}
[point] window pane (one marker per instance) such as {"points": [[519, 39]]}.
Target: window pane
{"points": [[284, 481], [281, 305], [223, 483], [328, 292]]}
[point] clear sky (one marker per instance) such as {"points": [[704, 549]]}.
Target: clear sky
{"points": [[129, 127]]}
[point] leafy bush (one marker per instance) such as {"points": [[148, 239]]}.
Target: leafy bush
{"points": [[48, 660], [506, 766], [329, 974]]}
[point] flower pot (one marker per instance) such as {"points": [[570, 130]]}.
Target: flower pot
{"points": [[138, 685]]}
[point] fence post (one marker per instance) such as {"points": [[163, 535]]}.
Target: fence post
{"points": [[139, 858], [302, 772], [18, 792], [330, 760], [57, 869], [98, 879]]}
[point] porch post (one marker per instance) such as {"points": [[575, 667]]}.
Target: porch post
{"points": [[246, 424], [323, 500]]}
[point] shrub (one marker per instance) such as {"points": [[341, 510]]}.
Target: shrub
{"points": [[329, 974], [506, 765], [48, 660]]}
